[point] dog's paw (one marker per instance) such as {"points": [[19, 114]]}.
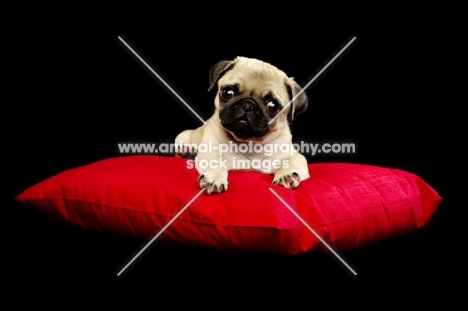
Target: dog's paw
{"points": [[287, 179], [214, 181]]}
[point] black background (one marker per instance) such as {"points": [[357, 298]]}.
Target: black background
{"points": [[78, 91]]}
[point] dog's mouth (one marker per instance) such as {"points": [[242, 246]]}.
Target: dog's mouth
{"points": [[242, 122]]}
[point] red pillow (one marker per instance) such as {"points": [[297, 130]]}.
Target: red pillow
{"points": [[348, 205]]}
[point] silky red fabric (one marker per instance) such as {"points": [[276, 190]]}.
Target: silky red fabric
{"points": [[347, 205]]}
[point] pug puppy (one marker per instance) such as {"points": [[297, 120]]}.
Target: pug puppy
{"points": [[250, 93]]}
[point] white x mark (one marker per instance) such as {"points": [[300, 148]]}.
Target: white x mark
{"points": [[188, 204]]}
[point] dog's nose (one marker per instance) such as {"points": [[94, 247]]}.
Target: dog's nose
{"points": [[248, 104]]}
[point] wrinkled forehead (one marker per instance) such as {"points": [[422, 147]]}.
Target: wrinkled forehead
{"points": [[256, 77]]}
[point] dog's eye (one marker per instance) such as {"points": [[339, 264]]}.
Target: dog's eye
{"points": [[228, 92], [272, 106]]}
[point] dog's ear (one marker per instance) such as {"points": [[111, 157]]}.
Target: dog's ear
{"points": [[299, 99], [218, 70]]}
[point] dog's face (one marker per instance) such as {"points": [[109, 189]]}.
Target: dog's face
{"points": [[251, 93]]}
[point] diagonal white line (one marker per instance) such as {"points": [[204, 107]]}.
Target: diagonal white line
{"points": [[164, 82], [312, 230], [316, 76], [160, 232]]}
